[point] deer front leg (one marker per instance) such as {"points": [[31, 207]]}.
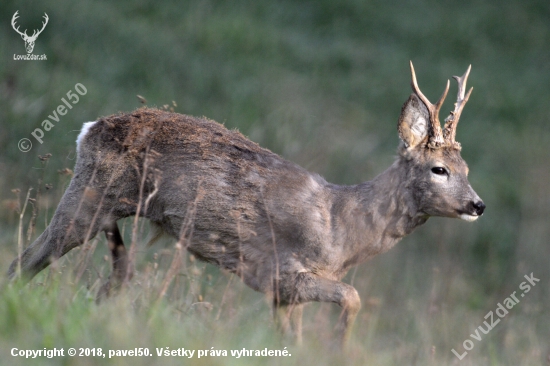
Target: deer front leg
{"points": [[310, 287], [288, 319], [120, 261], [296, 321]]}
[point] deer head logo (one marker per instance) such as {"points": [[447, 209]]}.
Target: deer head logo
{"points": [[29, 41]]}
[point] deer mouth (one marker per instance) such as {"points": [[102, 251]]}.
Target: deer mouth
{"points": [[469, 217]]}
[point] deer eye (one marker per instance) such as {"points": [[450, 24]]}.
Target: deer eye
{"points": [[439, 170]]}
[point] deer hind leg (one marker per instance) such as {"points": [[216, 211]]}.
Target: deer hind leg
{"points": [[308, 287], [120, 262], [77, 219]]}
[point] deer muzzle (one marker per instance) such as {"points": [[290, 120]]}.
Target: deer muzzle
{"points": [[475, 209]]}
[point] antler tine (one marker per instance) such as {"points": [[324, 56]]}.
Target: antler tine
{"points": [[442, 98], [449, 130], [416, 89], [435, 133]]}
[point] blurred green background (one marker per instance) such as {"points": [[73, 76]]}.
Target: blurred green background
{"points": [[322, 84]]}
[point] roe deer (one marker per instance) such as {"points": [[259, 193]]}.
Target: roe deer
{"points": [[284, 231]]}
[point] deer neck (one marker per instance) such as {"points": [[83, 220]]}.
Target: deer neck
{"points": [[375, 215]]}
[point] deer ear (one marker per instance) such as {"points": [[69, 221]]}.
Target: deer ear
{"points": [[413, 122]]}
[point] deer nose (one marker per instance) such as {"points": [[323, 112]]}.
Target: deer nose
{"points": [[479, 207]]}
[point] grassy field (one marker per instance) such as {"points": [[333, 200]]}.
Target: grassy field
{"points": [[322, 84]]}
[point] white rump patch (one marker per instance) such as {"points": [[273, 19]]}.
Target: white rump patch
{"points": [[83, 132], [469, 218]]}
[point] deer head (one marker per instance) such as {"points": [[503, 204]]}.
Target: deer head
{"points": [[437, 173], [29, 40]]}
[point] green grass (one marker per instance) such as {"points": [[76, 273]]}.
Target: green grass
{"points": [[321, 83]]}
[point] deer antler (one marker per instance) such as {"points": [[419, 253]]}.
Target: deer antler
{"points": [[43, 26], [435, 135], [13, 19], [449, 130]]}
